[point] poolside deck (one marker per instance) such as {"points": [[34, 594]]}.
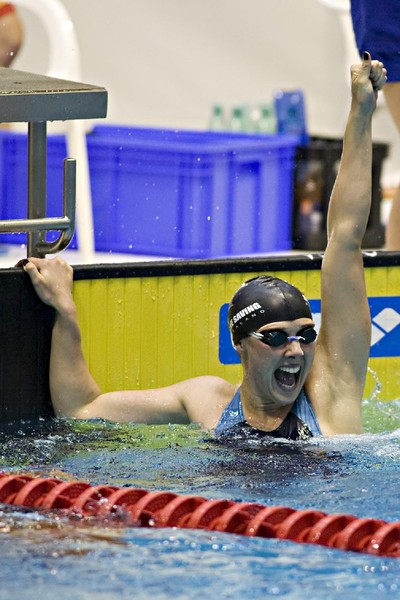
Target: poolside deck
{"points": [[11, 254]]}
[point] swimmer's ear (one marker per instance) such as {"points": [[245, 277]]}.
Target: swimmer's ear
{"points": [[239, 347]]}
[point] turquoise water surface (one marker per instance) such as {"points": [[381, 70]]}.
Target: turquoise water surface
{"points": [[47, 556]]}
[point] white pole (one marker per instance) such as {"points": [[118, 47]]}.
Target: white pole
{"points": [[64, 63]]}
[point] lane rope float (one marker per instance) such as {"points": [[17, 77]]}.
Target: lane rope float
{"points": [[138, 507]]}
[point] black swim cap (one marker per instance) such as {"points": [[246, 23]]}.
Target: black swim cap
{"points": [[264, 300]]}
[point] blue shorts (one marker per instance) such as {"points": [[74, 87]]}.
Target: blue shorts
{"points": [[377, 29]]}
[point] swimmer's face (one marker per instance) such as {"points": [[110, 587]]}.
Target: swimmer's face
{"points": [[280, 370]]}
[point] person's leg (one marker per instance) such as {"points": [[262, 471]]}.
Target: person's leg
{"points": [[392, 97]]}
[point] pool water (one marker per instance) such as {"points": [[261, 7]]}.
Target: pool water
{"points": [[47, 556]]}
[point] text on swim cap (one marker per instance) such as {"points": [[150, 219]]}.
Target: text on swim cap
{"points": [[245, 311]]}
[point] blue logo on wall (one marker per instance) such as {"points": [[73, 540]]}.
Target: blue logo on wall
{"points": [[385, 334]]}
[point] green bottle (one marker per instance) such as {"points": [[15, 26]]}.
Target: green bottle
{"points": [[217, 119], [267, 121]]}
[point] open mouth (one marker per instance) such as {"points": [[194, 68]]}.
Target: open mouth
{"points": [[287, 377]]}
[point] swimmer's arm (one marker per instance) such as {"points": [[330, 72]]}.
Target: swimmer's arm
{"points": [[198, 400], [344, 341], [75, 393], [71, 384]]}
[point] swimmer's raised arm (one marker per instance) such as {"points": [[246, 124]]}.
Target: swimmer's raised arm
{"points": [[75, 393], [344, 341]]}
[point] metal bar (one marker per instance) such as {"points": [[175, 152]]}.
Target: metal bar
{"points": [[37, 172], [65, 224], [35, 225], [69, 207]]}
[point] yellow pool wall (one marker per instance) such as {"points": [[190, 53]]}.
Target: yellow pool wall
{"points": [[146, 332]]}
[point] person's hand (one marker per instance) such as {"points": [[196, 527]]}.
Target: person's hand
{"points": [[52, 280], [367, 78]]}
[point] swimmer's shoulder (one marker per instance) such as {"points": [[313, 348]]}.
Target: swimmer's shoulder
{"points": [[205, 398]]}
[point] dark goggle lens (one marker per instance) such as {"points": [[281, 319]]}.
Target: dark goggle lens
{"points": [[309, 335], [274, 338], [278, 337]]}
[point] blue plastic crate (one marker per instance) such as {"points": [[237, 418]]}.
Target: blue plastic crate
{"points": [[191, 194], [14, 181], [186, 194]]}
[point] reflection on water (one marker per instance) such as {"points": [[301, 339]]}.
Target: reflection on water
{"points": [[347, 474], [184, 565], [39, 527]]}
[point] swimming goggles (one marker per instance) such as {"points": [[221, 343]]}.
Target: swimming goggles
{"points": [[277, 337]]}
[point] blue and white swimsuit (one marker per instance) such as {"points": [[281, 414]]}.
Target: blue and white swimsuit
{"points": [[300, 423]]}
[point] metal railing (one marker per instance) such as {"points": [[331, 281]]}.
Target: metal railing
{"points": [[64, 62], [36, 225]]}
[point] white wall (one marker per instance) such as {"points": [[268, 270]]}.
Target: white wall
{"points": [[165, 62]]}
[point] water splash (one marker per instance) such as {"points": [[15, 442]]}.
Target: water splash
{"points": [[378, 415]]}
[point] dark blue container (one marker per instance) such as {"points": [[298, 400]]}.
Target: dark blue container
{"points": [[188, 194]]}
